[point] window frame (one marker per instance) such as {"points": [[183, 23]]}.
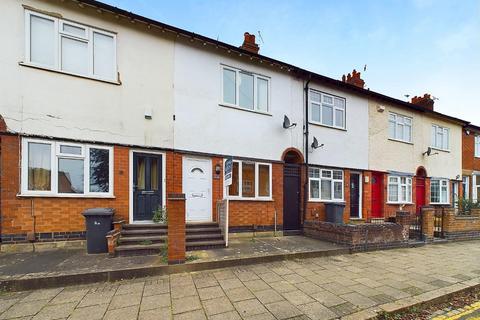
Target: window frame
{"points": [[447, 184], [257, 181], [466, 187], [433, 138], [54, 156], [477, 146], [408, 184], [332, 184], [403, 123], [334, 108], [237, 90], [58, 34]]}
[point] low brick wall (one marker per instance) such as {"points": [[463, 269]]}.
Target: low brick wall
{"points": [[359, 237], [461, 227]]}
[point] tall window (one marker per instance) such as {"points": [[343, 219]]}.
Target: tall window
{"points": [[477, 146], [326, 184], [439, 191], [399, 189], [440, 137], [70, 47], [465, 187], [245, 90], [251, 180], [327, 109], [62, 168], [399, 127]]}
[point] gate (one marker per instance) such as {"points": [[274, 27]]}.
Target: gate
{"points": [[415, 231], [438, 223]]}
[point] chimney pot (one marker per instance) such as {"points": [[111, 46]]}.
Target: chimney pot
{"points": [[426, 101], [249, 43], [354, 79]]}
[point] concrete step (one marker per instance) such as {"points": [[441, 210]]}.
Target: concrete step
{"points": [[201, 237], [138, 226], [205, 245], [139, 250], [143, 232], [142, 239], [207, 224], [205, 230]]}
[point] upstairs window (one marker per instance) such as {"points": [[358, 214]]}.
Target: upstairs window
{"points": [[70, 47], [439, 191], [325, 184], [61, 168], [399, 127], [399, 189], [440, 137], [477, 146], [245, 90], [327, 110]]}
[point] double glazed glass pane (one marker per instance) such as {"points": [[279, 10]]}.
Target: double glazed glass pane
{"points": [[262, 94], [337, 190], [229, 86], [326, 189], [393, 192], [99, 170], [233, 189], [263, 180], [39, 166], [339, 115], [74, 30], [315, 112], [248, 180], [314, 189], [246, 90], [42, 41], [435, 191], [70, 175], [327, 115], [74, 55], [66, 149], [314, 173], [103, 56]]}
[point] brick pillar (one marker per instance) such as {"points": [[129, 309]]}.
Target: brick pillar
{"points": [[448, 220], [403, 218], [176, 228], [427, 223]]}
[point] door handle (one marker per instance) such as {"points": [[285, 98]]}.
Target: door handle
{"points": [[197, 195]]}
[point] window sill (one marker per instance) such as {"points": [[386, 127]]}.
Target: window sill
{"points": [[326, 126], [71, 196], [226, 105], [326, 201], [400, 203], [250, 199], [439, 203], [438, 149], [31, 65], [401, 141]]}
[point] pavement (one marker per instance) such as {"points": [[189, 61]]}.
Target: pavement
{"points": [[356, 286]]}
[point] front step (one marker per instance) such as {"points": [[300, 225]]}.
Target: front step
{"points": [[139, 250], [141, 240], [143, 232], [205, 245]]}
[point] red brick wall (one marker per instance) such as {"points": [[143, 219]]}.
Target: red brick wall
{"points": [[52, 214], [469, 162]]}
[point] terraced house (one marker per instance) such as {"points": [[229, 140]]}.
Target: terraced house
{"points": [[105, 108]]}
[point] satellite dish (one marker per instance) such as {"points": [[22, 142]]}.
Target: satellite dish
{"points": [[315, 144], [287, 124], [428, 152]]}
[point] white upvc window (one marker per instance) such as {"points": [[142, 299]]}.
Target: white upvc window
{"points": [[466, 187], [325, 184], [54, 168], [439, 191], [399, 189], [477, 146], [440, 137], [399, 127], [69, 47], [475, 187], [251, 180], [246, 90], [327, 109]]}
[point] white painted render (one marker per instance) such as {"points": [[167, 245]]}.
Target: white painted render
{"points": [[203, 124], [391, 155], [41, 102]]}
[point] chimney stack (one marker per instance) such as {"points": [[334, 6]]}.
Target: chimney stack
{"points": [[354, 78], [249, 43], [426, 101]]}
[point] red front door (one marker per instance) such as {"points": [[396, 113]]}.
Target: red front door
{"points": [[420, 193], [377, 195]]}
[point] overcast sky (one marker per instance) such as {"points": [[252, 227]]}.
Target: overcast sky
{"points": [[409, 46]]}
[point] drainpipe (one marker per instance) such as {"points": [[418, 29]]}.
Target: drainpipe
{"points": [[305, 186]]}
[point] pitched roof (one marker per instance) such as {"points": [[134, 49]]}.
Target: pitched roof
{"points": [[306, 74]]}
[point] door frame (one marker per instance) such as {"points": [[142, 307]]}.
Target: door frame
{"points": [[210, 206], [130, 180], [360, 194]]}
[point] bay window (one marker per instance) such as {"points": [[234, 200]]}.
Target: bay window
{"points": [[440, 137], [245, 90], [399, 189], [399, 127], [327, 109], [439, 191], [251, 180], [69, 47], [53, 168], [325, 184]]}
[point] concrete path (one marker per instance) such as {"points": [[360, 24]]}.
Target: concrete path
{"points": [[354, 286]]}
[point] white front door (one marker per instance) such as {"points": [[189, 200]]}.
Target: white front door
{"points": [[197, 186]]}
